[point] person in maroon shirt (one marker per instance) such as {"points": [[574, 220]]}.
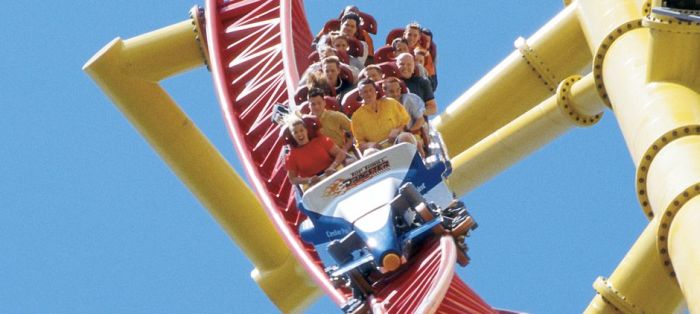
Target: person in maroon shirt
{"points": [[310, 158]]}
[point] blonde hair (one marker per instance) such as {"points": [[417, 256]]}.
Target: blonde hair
{"points": [[292, 120], [412, 25]]}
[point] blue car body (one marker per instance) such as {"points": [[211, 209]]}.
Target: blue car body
{"points": [[358, 199]]}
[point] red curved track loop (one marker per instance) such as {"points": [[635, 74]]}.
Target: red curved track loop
{"points": [[256, 57]]}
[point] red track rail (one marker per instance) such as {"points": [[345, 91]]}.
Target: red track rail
{"points": [[256, 57]]}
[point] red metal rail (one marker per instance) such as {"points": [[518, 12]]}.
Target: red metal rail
{"points": [[256, 57]]}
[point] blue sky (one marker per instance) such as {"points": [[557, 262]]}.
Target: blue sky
{"points": [[93, 221]]}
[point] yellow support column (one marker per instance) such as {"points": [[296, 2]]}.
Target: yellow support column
{"points": [[524, 79], [128, 71], [684, 250], [673, 177], [575, 103], [629, 288], [647, 69]]}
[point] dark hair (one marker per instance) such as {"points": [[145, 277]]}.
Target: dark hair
{"points": [[317, 80], [331, 59], [392, 79], [396, 41], [427, 31], [367, 81], [351, 16], [373, 67], [350, 8], [316, 91]]}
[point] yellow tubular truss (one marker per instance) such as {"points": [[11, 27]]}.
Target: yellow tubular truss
{"points": [[575, 103], [646, 68], [129, 72], [517, 84], [640, 283]]}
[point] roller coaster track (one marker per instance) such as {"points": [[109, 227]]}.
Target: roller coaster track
{"points": [[257, 50]]}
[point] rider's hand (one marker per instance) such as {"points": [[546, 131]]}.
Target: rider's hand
{"points": [[393, 134], [331, 169], [313, 180]]}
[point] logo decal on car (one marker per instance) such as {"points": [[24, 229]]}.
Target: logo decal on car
{"points": [[342, 185]]}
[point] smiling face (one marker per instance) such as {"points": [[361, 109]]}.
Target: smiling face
{"points": [[374, 74], [349, 28], [331, 71], [392, 89], [412, 35], [419, 59], [406, 65], [401, 47], [340, 44], [301, 136], [317, 105], [368, 93]]}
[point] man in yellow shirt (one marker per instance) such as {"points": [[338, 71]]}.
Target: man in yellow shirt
{"points": [[379, 123], [335, 125]]}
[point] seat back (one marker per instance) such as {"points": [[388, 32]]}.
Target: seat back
{"points": [[301, 95], [352, 100], [346, 73], [368, 22], [331, 104], [355, 48], [394, 33], [384, 54], [390, 69], [331, 25]]}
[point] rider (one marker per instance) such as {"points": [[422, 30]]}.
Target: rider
{"points": [[379, 123], [335, 125], [310, 158]]}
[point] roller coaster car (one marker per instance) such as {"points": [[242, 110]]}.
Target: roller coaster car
{"points": [[377, 211]]}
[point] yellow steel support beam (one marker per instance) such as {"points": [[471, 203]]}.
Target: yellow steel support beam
{"points": [[684, 249], [640, 283], [647, 70], [129, 71], [524, 79], [575, 103]]}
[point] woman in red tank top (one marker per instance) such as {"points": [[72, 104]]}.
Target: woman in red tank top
{"points": [[312, 155]]}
